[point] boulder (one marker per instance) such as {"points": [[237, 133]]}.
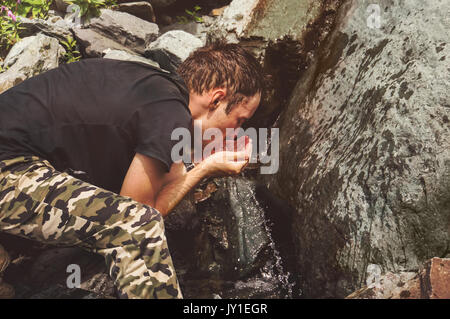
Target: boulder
{"points": [[28, 57], [140, 9], [93, 44], [199, 30], [172, 48], [125, 29], [283, 35], [56, 28], [365, 147]]}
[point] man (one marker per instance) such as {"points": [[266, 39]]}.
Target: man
{"points": [[109, 123]]}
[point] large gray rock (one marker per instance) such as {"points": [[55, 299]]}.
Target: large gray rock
{"points": [[283, 35], [365, 147], [28, 57], [59, 29], [126, 29], [172, 48], [199, 30], [93, 44]]}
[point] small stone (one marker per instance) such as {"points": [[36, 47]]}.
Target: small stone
{"points": [[217, 12]]}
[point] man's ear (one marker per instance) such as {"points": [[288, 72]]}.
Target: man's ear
{"points": [[218, 95]]}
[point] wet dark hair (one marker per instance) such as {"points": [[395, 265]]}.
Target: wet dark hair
{"points": [[227, 65]]}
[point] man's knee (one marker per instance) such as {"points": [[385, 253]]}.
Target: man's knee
{"points": [[147, 223]]}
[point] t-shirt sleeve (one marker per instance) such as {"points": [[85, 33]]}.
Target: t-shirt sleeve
{"points": [[155, 124]]}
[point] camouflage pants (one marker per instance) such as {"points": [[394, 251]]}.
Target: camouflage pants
{"points": [[40, 203]]}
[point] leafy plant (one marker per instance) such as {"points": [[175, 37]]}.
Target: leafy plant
{"points": [[91, 8], [34, 8], [192, 15], [9, 26], [72, 54]]}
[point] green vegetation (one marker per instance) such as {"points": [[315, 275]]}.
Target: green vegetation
{"points": [[192, 15], [91, 8], [9, 25], [72, 54], [34, 8]]}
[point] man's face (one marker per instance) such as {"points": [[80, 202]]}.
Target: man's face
{"points": [[239, 113]]}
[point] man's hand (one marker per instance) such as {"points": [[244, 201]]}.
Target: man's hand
{"points": [[230, 161], [148, 183]]}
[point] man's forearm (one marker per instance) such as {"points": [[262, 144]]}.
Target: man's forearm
{"points": [[172, 193]]}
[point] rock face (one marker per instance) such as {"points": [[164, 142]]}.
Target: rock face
{"points": [[365, 147], [284, 35], [432, 282], [28, 57], [172, 48]]}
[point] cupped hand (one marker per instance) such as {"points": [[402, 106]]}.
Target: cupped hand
{"points": [[230, 161]]}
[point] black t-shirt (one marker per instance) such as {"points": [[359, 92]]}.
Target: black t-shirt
{"points": [[93, 116]]}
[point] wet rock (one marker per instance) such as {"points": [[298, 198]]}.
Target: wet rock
{"points": [[224, 246], [125, 29], [237, 228], [365, 148], [28, 57], [93, 44], [140, 9], [283, 35], [125, 56], [172, 48]]}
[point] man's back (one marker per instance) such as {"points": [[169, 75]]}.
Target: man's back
{"points": [[92, 116]]}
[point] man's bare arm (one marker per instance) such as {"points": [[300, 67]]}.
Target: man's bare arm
{"points": [[147, 183]]}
